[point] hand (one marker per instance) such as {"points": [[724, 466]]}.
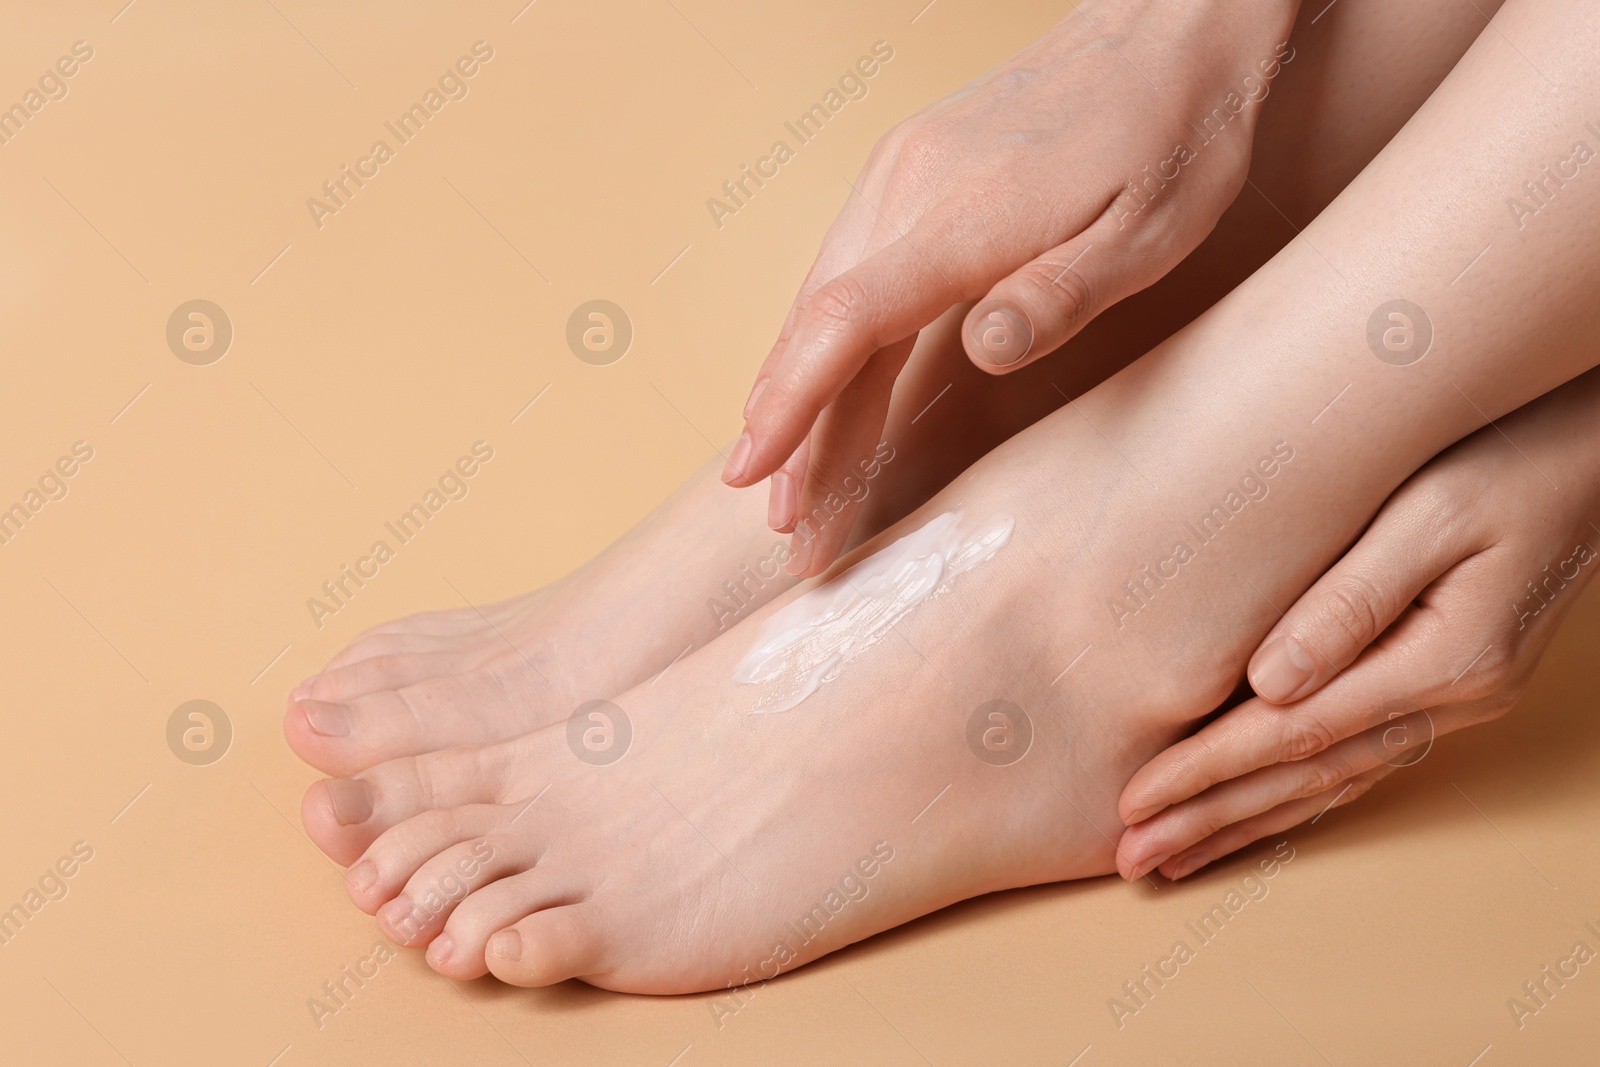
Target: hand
{"points": [[1077, 173], [1433, 621]]}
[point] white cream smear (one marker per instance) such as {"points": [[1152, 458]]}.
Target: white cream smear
{"points": [[810, 642]]}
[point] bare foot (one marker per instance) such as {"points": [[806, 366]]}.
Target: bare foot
{"points": [[732, 837]]}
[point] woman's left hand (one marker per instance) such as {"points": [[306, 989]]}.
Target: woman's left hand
{"points": [[1434, 621]]}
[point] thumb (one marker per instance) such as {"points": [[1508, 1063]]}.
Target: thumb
{"points": [[1037, 308], [1349, 606]]}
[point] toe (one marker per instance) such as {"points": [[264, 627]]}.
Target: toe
{"points": [[548, 946], [388, 670], [459, 951], [343, 816], [417, 914], [394, 858], [476, 708], [372, 644]]}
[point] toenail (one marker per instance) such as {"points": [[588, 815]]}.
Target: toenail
{"points": [[506, 945], [1151, 864], [303, 690], [352, 800], [1141, 814], [396, 914], [329, 720], [440, 950], [362, 877], [1190, 864]]}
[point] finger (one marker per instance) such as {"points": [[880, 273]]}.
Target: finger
{"points": [[1258, 734], [846, 435], [1237, 835], [1035, 310], [1151, 843], [842, 248], [883, 300], [783, 496], [1349, 606]]}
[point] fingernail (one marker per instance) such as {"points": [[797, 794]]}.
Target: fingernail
{"points": [[1189, 864], [362, 877], [781, 505], [440, 950], [1151, 864], [755, 396], [1141, 814], [329, 720], [303, 690], [396, 915], [1281, 670], [506, 945], [1000, 334], [352, 800], [733, 473]]}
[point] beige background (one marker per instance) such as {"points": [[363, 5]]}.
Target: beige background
{"points": [[425, 315]]}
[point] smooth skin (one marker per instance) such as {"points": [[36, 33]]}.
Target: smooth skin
{"points": [[1433, 622], [672, 870], [1047, 190], [472, 675]]}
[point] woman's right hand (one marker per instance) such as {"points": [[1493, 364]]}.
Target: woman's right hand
{"points": [[1077, 173]]}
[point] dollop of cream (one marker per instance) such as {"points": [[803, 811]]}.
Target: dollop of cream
{"points": [[809, 642]]}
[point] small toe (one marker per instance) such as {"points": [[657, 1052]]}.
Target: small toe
{"points": [[548, 946], [459, 951]]}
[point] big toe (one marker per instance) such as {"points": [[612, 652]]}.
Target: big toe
{"points": [[346, 737]]}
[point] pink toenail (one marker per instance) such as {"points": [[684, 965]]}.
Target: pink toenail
{"points": [[352, 800], [1190, 865], [506, 945], [362, 877], [303, 690], [329, 720], [397, 915], [1151, 864], [440, 950]]}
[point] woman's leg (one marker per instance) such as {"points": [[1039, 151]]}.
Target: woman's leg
{"points": [[704, 560], [1120, 562]]}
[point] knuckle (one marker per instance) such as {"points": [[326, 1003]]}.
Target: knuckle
{"points": [[1069, 294], [1348, 614], [1305, 736], [840, 303], [1319, 776], [1493, 672]]}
